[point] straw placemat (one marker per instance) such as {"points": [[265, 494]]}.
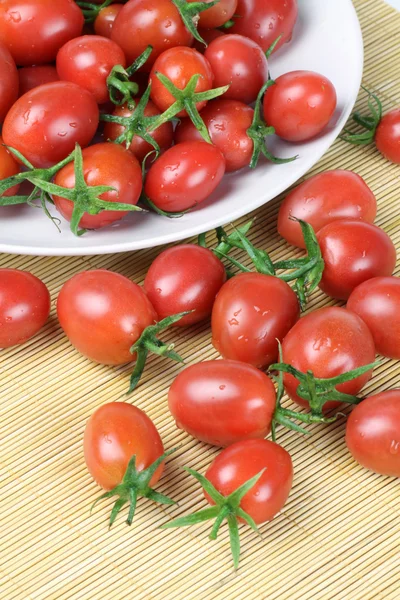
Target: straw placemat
{"points": [[337, 538]]}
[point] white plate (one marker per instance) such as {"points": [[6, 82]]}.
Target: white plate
{"points": [[328, 40]]}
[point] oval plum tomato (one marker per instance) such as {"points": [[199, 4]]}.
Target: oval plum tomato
{"points": [[251, 312], [300, 105], [8, 168], [8, 81], [387, 138], [31, 77], [324, 198], [103, 164], [223, 401], [47, 122], [179, 65], [239, 62], [329, 342], [103, 314], [377, 302], [184, 176], [142, 23], [34, 30], [24, 306], [105, 20], [87, 61], [353, 251], [218, 14], [227, 122], [373, 433]]}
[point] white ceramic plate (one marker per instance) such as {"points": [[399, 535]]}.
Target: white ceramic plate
{"points": [[328, 40]]}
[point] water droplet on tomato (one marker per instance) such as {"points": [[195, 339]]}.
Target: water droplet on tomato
{"points": [[222, 387], [394, 447], [233, 322]]}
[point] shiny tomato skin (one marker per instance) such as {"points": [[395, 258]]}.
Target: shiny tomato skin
{"points": [[113, 434], [105, 20], [34, 30], [184, 278], [240, 462], [300, 105], [329, 342], [8, 168], [222, 401], [251, 312], [24, 306], [184, 176], [387, 138], [87, 61], [103, 314], [373, 433], [353, 252], [218, 14], [31, 77], [142, 23], [8, 81], [239, 62], [323, 198], [46, 123]]}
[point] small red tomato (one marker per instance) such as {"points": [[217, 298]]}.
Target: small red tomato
{"points": [[184, 176], [8, 81], [387, 136], [251, 312], [8, 168], [105, 20], [223, 401], [353, 252], [326, 197], [24, 306], [329, 342], [373, 433], [300, 105], [218, 14], [31, 77]]}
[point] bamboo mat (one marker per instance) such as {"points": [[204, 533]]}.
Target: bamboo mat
{"points": [[338, 536]]}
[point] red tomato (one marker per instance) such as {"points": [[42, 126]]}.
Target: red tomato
{"points": [[252, 311], [47, 122], [387, 136], [31, 77], [114, 433], [141, 23], [184, 176], [324, 198], [34, 30], [329, 342], [8, 81], [300, 105], [239, 62], [373, 433], [377, 302], [208, 36], [353, 251], [227, 122], [218, 14], [24, 306], [235, 465], [179, 65], [87, 61], [223, 401], [105, 20], [8, 168], [104, 314], [265, 20]]}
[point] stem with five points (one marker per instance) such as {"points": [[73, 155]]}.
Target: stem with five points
{"points": [[369, 122], [120, 87]]}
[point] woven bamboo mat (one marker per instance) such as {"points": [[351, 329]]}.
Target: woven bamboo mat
{"points": [[338, 536]]}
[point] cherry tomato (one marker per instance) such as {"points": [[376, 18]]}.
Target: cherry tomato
{"points": [[387, 136], [329, 342], [8, 81], [183, 278], [103, 314], [238, 463], [184, 176], [47, 122], [114, 433], [373, 433], [239, 62], [353, 251], [251, 312], [265, 20], [300, 105], [24, 306], [87, 61], [8, 168], [227, 122], [31, 77], [223, 401], [324, 198], [105, 20], [179, 65], [34, 30], [218, 14], [377, 302], [141, 23]]}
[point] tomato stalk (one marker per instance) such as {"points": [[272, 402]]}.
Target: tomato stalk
{"points": [[120, 87], [189, 12], [91, 11], [369, 123]]}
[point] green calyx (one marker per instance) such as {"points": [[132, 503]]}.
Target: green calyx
{"points": [[91, 11], [369, 123], [226, 508], [190, 11], [120, 88], [134, 485]]}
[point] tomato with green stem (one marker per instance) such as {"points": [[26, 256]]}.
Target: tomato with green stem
{"points": [[104, 21], [32, 77], [218, 14], [8, 168], [8, 81], [387, 138]]}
